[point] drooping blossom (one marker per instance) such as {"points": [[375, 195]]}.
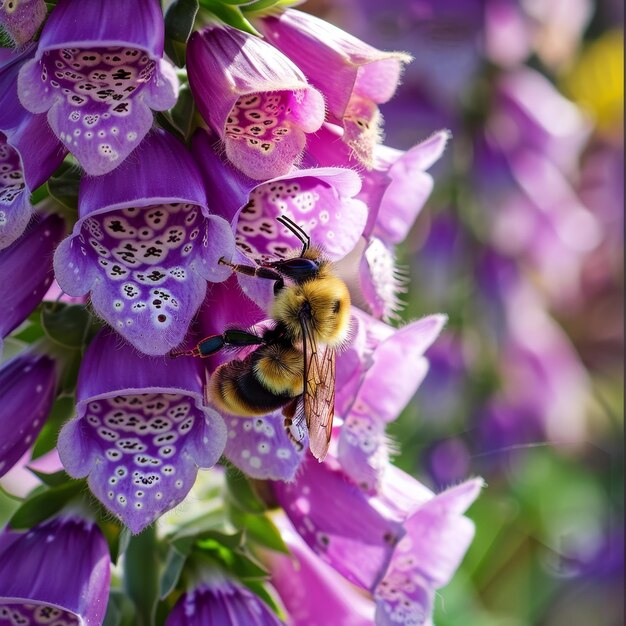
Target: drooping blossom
{"points": [[401, 544], [141, 431], [27, 390], [218, 599], [320, 200], [436, 540], [353, 76], [353, 536], [29, 150], [395, 190], [21, 19], [256, 100], [145, 245], [26, 270], [100, 82], [391, 366], [313, 593], [55, 573]]}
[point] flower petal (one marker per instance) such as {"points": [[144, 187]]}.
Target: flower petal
{"points": [[22, 20], [26, 269], [58, 571], [145, 246], [27, 391], [260, 447], [98, 82], [352, 536], [260, 106], [223, 603], [141, 431]]}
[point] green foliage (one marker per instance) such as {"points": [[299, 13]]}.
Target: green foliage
{"points": [[43, 503]]}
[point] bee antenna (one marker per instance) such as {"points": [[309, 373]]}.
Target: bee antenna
{"points": [[297, 231]]}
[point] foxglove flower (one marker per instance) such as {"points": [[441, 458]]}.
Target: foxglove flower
{"points": [[313, 593], [353, 76], [437, 537], [320, 200], [353, 536], [29, 151], [425, 539], [425, 535], [256, 100], [27, 391], [141, 431], [21, 19], [56, 573], [216, 599], [145, 245], [98, 82], [260, 446], [392, 367], [26, 270], [395, 190]]}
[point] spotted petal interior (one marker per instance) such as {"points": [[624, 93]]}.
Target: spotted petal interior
{"points": [[331, 222], [15, 614], [260, 447], [363, 449], [142, 444], [352, 536], [262, 139], [14, 209], [99, 113], [403, 596], [148, 261]]}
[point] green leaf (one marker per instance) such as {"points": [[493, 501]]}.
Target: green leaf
{"points": [[141, 578], [179, 19], [44, 504], [171, 572], [257, 587], [260, 528], [66, 324], [241, 493], [120, 610], [61, 411], [8, 505], [260, 7], [230, 15], [182, 115], [235, 558], [63, 185], [51, 480], [39, 194]]}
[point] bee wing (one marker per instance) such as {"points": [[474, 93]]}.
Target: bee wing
{"points": [[319, 391]]}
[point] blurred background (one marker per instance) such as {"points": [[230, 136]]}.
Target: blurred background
{"points": [[521, 244]]}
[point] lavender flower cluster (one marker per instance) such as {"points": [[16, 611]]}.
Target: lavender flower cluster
{"points": [[125, 182]]}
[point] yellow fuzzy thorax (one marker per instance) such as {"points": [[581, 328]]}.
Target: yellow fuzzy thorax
{"points": [[329, 303]]}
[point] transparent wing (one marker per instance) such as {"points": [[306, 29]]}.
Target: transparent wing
{"points": [[319, 391]]}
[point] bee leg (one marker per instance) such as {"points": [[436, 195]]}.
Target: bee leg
{"points": [[289, 412], [257, 272], [233, 337], [298, 444]]}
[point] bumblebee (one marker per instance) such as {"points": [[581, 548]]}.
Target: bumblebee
{"points": [[293, 367]]}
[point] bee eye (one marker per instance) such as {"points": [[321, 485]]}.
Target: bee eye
{"points": [[336, 306]]}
